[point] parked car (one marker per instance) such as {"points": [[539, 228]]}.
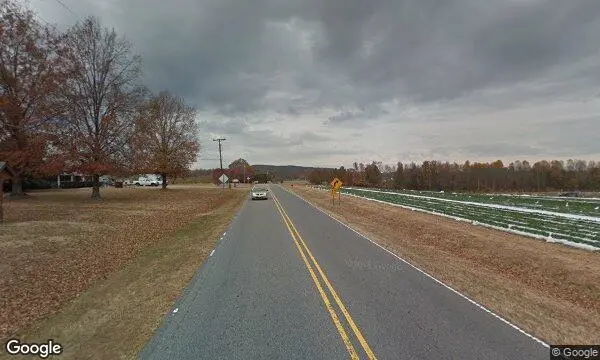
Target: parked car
{"points": [[148, 180]]}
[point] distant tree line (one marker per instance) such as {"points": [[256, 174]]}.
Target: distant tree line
{"points": [[238, 169], [284, 172], [241, 170], [72, 101], [518, 176]]}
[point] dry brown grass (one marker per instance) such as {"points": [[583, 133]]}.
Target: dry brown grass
{"points": [[549, 290], [71, 267]]}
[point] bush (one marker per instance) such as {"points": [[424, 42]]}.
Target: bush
{"points": [[30, 184], [37, 184], [360, 183], [41, 184], [76, 185]]}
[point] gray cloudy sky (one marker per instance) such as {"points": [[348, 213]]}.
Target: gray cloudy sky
{"points": [[329, 82]]}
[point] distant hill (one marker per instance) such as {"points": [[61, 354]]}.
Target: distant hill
{"points": [[284, 172]]}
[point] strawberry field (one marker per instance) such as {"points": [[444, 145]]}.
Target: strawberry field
{"points": [[572, 221]]}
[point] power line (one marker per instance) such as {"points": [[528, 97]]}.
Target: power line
{"points": [[29, 8], [66, 7], [41, 18]]}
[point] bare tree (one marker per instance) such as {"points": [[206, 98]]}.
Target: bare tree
{"points": [[166, 137], [101, 98], [30, 71]]}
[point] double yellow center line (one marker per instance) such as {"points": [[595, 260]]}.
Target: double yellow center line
{"points": [[306, 254]]}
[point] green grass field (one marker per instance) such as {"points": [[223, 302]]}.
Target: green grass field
{"points": [[572, 221]]}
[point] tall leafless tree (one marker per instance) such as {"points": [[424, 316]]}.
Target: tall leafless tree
{"points": [[100, 97]]}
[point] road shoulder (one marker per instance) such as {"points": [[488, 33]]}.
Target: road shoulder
{"points": [[548, 290]]}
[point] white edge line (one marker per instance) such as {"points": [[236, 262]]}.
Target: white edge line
{"points": [[212, 252], [431, 277]]}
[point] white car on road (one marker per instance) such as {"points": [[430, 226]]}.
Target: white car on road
{"points": [[260, 192]]}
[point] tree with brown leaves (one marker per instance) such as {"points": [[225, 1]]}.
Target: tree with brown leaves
{"points": [[100, 98], [31, 69], [166, 137], [241, 170]]}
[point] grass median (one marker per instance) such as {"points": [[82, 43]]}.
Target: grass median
{"points": [[550, 290], [99, 277]]}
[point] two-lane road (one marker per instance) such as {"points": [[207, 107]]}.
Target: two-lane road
{"points": [[288, 282]]}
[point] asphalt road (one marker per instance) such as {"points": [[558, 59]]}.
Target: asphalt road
{"points": [[288, 282]]}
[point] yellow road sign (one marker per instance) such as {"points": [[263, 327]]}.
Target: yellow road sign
{"points": [[336, 184]]}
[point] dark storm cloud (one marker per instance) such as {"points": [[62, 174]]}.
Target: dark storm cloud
{"points": [[226, 54], [356, 63], [438, 50]]}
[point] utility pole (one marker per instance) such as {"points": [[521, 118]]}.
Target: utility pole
{"points": [[220, 157]]}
